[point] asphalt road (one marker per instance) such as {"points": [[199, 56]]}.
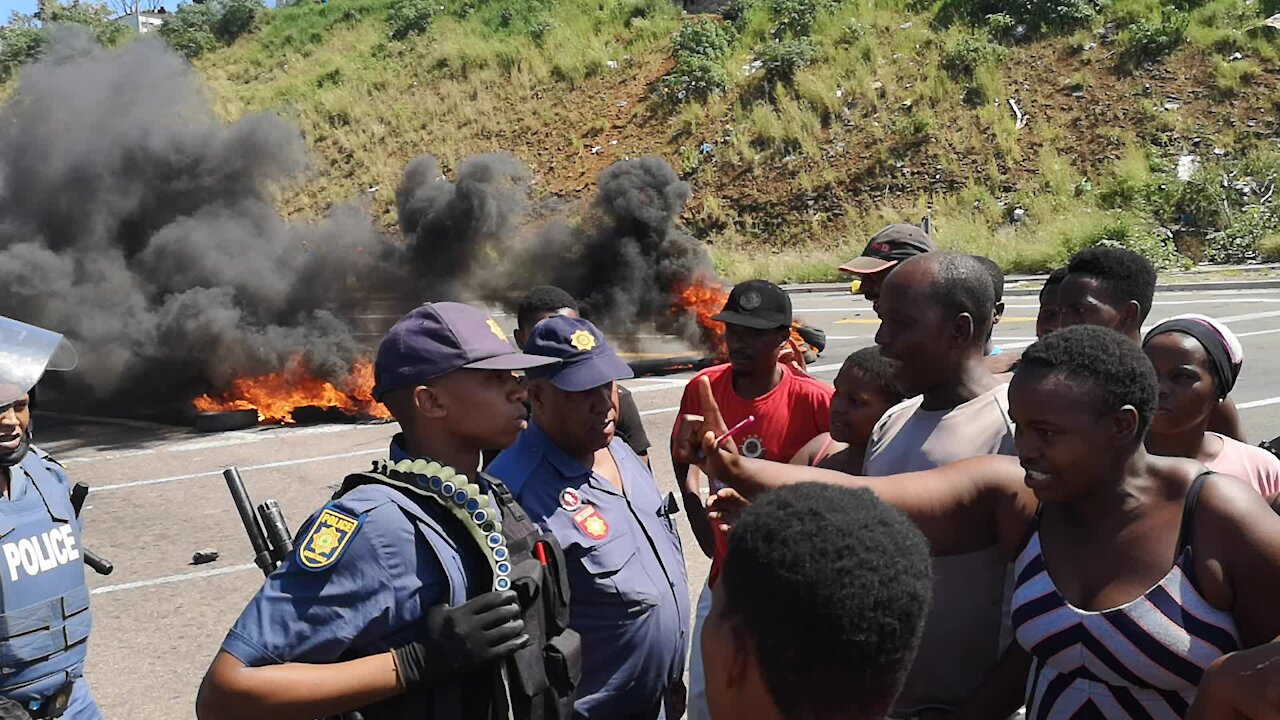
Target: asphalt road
{"points": [[158, 496]]}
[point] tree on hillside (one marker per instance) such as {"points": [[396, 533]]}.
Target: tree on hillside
{"points": [[133, 7], [23, 38]]}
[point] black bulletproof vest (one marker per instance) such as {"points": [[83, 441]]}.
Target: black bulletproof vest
{"points": [[539, 681]]}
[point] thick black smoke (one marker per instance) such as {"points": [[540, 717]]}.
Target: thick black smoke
{"points": [[622, 260], [135, 222], [453, 226], [142, 227]]}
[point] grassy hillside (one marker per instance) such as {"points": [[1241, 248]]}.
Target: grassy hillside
{"points": [[804, 124]]}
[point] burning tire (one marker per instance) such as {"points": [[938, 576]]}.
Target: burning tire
{"points": [[228, 420], [671, 365]]}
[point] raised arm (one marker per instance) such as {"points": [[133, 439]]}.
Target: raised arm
{"points": [[687, 480], [961, 507]]}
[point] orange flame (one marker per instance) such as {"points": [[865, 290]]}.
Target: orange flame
{"points": [[276, 395], [703, 298]]}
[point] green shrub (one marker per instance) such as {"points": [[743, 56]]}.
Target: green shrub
{"points": [[1240, 241], [409, 17], [18, 44], [794, 17], [1057, 16], [963, 55], [236, 18], [1123, 193], [1230, 77], [913, 128], [1227, 249], [694, 78], [782, 59], [1001, 25], [735, 11], [1149, 41], [1199, 203], [1026, 19], [98, 18], [1125, 233], [1269, 248], [704, 38], [190, 29], [538, 29]]}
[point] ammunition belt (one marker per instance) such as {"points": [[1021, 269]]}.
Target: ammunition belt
{"points": [[463, 499]]}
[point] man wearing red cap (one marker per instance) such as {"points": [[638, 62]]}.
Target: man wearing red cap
{"points": [[883, 252]]}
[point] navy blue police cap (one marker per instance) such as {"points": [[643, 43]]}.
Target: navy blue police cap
{"points": [[586, 360], [438, 338]]}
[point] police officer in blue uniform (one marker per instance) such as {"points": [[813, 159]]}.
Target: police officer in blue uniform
{"points": [[421, 590], [44, 602], [630, 595]]}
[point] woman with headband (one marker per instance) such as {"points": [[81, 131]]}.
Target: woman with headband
{"points": [[1197, 360]]}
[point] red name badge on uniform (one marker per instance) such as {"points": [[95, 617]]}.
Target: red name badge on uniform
{"points": [[591, 522]]}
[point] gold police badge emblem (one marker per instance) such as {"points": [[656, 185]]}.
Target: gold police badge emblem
{"points": [[328, 537], [493, 328], [582, 340]]}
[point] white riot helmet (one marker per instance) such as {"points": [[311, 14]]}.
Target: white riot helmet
{"points": [[26, 352]]}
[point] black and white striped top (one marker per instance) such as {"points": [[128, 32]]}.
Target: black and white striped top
{"points": [[1141, 660]]}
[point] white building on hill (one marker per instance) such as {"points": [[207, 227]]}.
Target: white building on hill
{"points": [[145, 21]]}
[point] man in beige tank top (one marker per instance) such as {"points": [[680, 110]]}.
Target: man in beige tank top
{"points": [[935, 311]]}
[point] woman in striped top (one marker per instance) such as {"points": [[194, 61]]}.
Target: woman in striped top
{"points": [[1134, 573]]}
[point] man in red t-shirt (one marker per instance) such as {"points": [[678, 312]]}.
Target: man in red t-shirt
{"points": [[790, 409]]}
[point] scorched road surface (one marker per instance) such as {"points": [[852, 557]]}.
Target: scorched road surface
{"points": [[158, 496]]}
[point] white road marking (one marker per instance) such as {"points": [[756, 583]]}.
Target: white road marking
{"points": [[1258, 332], [105, 456], [237, 437], [1248, 316], [1258, 403], [168, 579], [263, 466], [1025, 306], [664, 385]]}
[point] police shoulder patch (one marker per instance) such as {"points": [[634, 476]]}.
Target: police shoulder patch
{"points": [[328, 538]]}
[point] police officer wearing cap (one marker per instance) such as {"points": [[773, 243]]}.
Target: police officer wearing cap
{"points": [[625, 564], [887, 248], [421, 590], [44, 602]]}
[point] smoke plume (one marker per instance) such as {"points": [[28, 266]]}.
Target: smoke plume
{"points": [[135, 222], [138, 224], [623, 259]]}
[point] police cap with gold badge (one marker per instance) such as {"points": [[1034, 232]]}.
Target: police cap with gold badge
{"points": [[585, 359], [438, 338]]}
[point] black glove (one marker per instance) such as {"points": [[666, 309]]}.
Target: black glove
{"points": [[458, 639]]}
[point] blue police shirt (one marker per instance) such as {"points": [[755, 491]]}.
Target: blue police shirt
{"points": [[629, 596], [370, 600]]}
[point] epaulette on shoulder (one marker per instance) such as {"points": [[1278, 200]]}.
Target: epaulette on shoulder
{"points": [[46, 457]]}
